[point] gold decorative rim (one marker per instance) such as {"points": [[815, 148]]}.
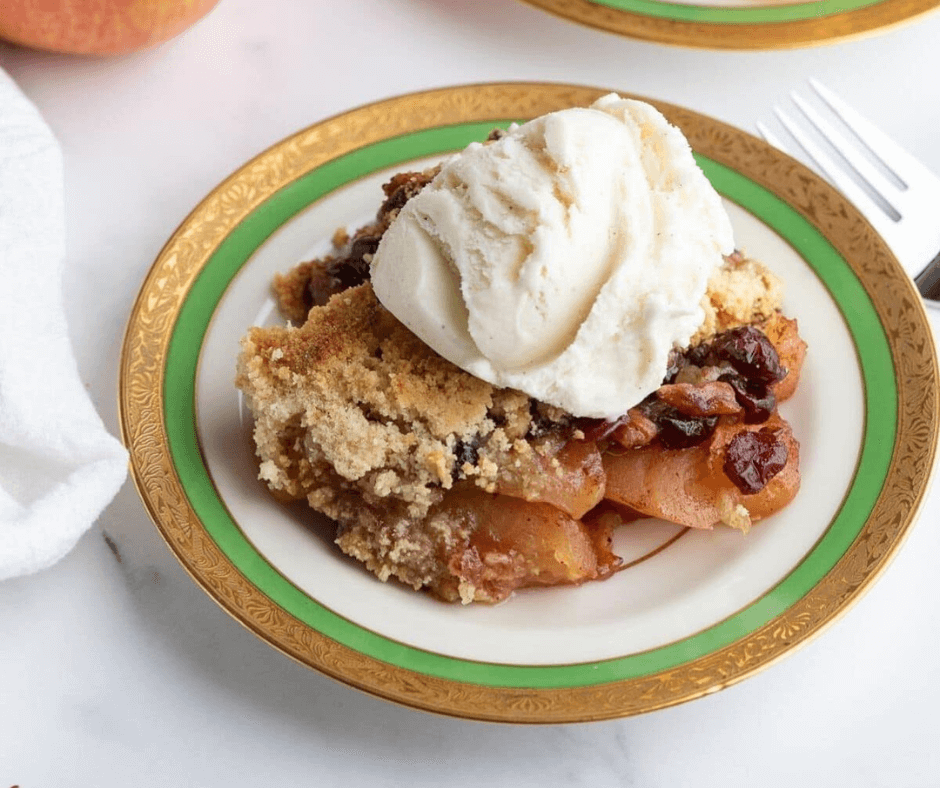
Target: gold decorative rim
{"points": [[727, 27], [187, 252]]}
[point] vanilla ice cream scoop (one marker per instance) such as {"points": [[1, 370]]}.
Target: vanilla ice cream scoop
{"points": [[565, 259]]}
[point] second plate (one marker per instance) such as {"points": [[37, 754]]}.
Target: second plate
{"points": [[739, 24]]}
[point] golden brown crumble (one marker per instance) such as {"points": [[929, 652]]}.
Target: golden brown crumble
{"points": [[740, 292]]}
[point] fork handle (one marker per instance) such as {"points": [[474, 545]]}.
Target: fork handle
{"points": [[928, 280]]}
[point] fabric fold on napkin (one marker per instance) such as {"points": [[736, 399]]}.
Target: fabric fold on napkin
{"points": [[59, 467]]}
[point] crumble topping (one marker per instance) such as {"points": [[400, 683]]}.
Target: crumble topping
{"points": [[354, 391], [740, 292]]}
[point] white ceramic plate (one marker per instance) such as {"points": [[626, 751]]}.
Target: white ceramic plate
{"points": [[739, 24], [696, 610]]}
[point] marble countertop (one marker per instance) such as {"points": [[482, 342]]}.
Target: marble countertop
{"points": [[118, 670]]}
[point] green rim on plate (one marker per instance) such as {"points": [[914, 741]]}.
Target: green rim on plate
{"points": [[190, 277], [738, 14]]}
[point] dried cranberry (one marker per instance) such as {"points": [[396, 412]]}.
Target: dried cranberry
{"points": [[395, 201], [698, 355], [757, 399], [402, 188], [351, 274], [750, 353], [540, 424], [753, 458], [363, 245], [465, 452], [680, 432], [323, 284], [349, 271], [676, 430]]}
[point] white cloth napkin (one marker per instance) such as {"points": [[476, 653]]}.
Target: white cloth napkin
{"points": [[59, 467]]}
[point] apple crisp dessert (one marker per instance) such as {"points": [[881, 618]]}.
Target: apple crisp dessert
{"points": [[451, 484]]}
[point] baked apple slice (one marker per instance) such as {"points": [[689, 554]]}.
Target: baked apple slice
{"points": [[566, 474], [518, 544], [729, 478]]}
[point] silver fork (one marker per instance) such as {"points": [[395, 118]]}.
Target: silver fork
{"points": [[906, 213]]}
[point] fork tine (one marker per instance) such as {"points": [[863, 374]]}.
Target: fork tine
{"points": [[846, 148], [893, 156], [878, 218], [772, 138]]}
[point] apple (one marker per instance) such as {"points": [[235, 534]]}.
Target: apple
{"points": [[97, 27]]}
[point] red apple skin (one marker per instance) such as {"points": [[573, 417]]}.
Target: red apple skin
{"points": [[97, 27]]}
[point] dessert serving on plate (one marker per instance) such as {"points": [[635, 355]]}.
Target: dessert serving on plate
{"points": [[546, 336]]}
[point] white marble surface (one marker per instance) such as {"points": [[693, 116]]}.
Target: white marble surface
{"points": [[122, 672]]}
